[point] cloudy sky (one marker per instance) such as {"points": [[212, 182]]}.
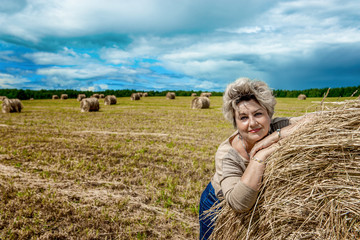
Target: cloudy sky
{"points": [[178, 45]]}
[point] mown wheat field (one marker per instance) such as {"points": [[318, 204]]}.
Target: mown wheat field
{"points": [[134, 170]]}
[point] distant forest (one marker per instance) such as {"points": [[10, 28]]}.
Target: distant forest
{"points": [[47, 94]]}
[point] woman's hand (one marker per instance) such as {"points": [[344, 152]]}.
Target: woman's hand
{"points": [[265, 153], [264, 143]]}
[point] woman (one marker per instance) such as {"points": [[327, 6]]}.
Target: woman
{"points": [[241, 159]]}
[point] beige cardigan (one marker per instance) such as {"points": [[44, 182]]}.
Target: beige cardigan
{"points": [[230, 166]]}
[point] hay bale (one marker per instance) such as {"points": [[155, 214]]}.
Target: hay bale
{"points": [[193, 94], [205, 94], [140, 94], [200, 102], [170, 95], [2, 98], [55, 97], [101, 96], [90, 105], [145, 94], [11, 105], [31, 99], [310, 185], [134, 96], [110, 100], [302, 97], [64, 96], [95, 95], [80, 97]]}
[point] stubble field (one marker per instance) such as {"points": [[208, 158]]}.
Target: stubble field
{"points": [[134, 170]]}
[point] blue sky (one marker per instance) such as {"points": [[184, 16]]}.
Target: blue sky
{"points": [[178, 45]]}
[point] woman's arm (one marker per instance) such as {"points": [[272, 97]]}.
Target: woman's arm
{"points": [[295, 123], [240, 187]]}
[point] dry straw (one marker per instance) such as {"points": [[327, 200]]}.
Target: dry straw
{"points": [[89, 105], [110, 100], [311, 185], [64, 96], [134, 96], [170, 95], [302, 97], [200, 102], [205, 94], [11, 105], [80, 97], [95, 95]]}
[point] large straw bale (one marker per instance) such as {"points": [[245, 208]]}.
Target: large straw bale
{"points": [[80, 97], [310, 185], [170, 95], [302, 97], [101, 96], [64, 96], [193, 94], [95, 95], [200, 102], [110, 100], [2, 98], [135, 96], [145, 94], [205, 94], [89, 105], [55, 97], [11, 105]]}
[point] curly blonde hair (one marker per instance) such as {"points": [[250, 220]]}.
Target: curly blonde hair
{"points": [[245, 89]]}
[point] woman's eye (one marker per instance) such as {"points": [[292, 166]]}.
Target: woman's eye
{"points": [[258, 114], [243, 118]]}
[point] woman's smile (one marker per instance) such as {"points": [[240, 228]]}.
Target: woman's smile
{"points": [[255, 130]]}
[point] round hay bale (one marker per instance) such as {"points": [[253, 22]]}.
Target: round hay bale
{"points": [[145, 94], [140, 94], [205, 94], [110, 100], [80, 97], [170, 95], [193, 94], [200, 102], [135, 96], [302, 97], [310, 185], [31, 99], [95, 95], [101, 96], [55, 97], [11, 105], [64, 96], [2, 98], [90, 105]]}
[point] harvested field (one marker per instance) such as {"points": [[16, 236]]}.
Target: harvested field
{"points": [[134, 170]]}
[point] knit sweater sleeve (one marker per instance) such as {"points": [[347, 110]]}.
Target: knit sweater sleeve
{"points": [[238, 195]]}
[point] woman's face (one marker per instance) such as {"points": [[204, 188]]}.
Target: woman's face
{"points": [[252, 121]]}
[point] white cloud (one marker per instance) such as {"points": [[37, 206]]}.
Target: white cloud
{"points": [[9, 56], [10, 81], [65, 57], [85, 72]]}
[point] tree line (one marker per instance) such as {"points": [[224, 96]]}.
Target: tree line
{"points": [[47, 94]]}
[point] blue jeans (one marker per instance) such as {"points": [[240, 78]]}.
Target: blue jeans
{"points": [[207, 200]]}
